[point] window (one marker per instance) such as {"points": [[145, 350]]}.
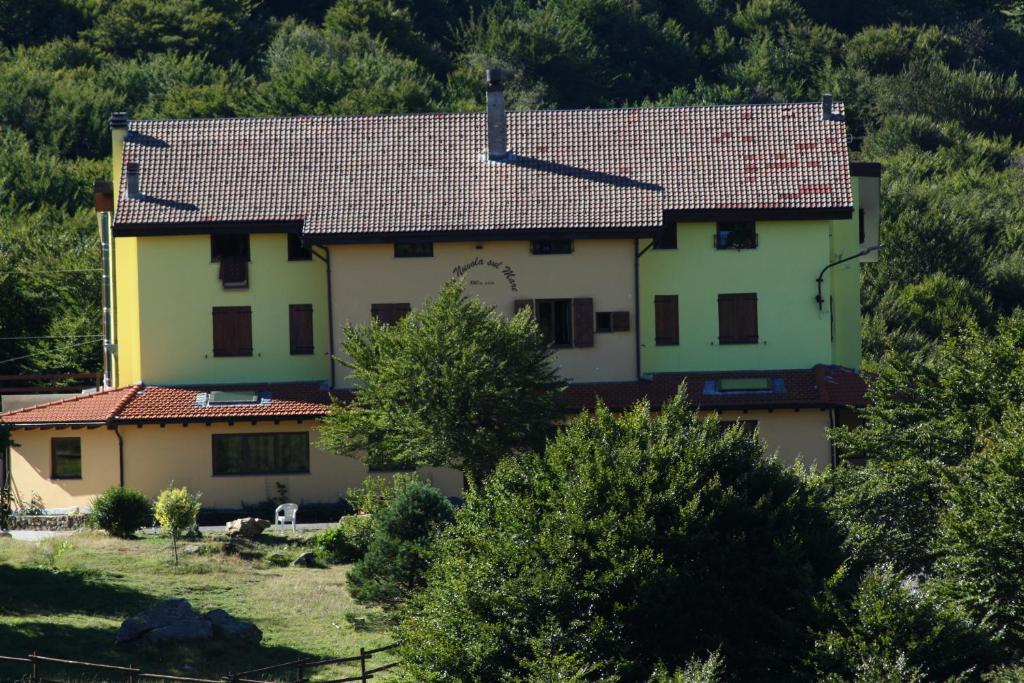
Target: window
{"points": [[300, 329], [540, 247], [612, 321], [744, 384], [297, 252], [667, 238], [414, 249], [232, 331], [737, 318], [280, 453], [666, 320], [66, 458], [389, 313], [736, 236], [232, 252], [554, 317]]}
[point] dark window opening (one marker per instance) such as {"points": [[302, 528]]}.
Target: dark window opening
{"points": [[737, 319], [297, 252], [667, 239], [540, 247], [554, 317], [604, 322], [278, 453], [232, 252], [666, 320], [389, 313], [736, 235], [414, 249], [612, 321], [232, 331], [66, 458], [860, 217], [300, 329]]}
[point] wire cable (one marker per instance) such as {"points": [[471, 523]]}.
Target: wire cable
{"points": [[40, 353]]}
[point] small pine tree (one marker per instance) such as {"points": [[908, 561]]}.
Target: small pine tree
{"points": [[176, 511], [397, 559]]}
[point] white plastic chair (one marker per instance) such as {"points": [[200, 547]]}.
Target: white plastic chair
{"points": [[286, 514]]}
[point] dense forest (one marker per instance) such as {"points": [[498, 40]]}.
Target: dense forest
{"points": [[931, 87]]}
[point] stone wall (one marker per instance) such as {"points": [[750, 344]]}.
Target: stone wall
{"points": [[48, 522]]}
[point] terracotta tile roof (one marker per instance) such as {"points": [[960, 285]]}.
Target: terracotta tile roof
{"points": [[821, 386], [95, 407], [612, 169], [179, 404]]}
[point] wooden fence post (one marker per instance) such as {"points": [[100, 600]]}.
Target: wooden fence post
{"points": [[35, 667], [362, 665]]}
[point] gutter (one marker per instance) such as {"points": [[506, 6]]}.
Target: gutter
{"points": [[120, 454], [636, 300], [330, 307]]}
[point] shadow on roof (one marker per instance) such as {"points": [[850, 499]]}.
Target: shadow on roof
{"points": [[556, 168]]}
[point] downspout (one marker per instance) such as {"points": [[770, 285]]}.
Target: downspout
{"points": [[636, 298], [103, 200], [120, 454], [330, 308]]}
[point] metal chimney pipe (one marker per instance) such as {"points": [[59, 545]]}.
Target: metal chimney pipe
{"points": [[132, 178], [497, 133]]}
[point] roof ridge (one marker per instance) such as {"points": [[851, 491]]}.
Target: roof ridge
{"points": [[60, 401]]}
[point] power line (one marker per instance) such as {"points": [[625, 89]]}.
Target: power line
{"points": [[40, 353], [56, 336]]}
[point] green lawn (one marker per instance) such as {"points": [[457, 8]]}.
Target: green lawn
{"points": [[66, 597]]}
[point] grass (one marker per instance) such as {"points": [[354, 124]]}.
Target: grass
{"points": [[66, 597]]}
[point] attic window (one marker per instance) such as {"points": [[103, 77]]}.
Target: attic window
{"points": [[744, 384], [233, 397]]}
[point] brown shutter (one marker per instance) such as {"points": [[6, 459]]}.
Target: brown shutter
{"points": [[583, 322], [620, 321], [300, 328], [520, 304], [221, 332], [728, 329], [748, 318], [666, 320], [232, 331], [243, 331], [234, 272], [737, 318]]}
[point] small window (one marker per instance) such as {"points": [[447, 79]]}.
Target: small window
{"points": [[541, 247], [232, 331], [666, 320], [66, 458], [414, 249], [554, 317], [736, 235], [280, 453], [229, 247], [389, 313], [744, 384], [297, 252], [667, 239], [612, 321], [737, 319], [300, 329]]}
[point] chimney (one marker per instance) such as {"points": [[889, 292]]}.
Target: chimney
{"points": [[826, 107], [497, 135], [118, 119], [132, 178]]}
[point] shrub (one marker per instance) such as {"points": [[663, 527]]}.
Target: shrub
{"points": [[397, 558], [376, 492], [121, 512], [346, 542], [176, 511]]}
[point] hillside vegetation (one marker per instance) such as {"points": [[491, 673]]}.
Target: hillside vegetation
{"points": [[931, 87]]}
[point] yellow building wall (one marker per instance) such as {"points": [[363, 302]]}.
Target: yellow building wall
{"points": [[366, 274], [30, 466], [791, 434], [127, 357]]}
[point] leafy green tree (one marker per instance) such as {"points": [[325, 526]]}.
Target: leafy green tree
{"points": [[896, 629], [634, 542], [453, 383], [176, 511], [396, 561]]}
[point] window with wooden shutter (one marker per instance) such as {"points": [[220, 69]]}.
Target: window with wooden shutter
{"points": [[620, 321], [554, 318], [232, 252], [666, 320], [582, 322], [389, 313], [300, 328], [232, 331], [737, 318]]}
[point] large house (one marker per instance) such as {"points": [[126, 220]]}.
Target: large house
{"points": [[720, 246]]}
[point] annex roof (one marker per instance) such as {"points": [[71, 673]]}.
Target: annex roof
{"points": [[91, 408], [374, 177], [820, 387]]}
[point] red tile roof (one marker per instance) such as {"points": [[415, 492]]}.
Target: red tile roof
{"points": [[822, 386], [95, 407], [598, 170]]}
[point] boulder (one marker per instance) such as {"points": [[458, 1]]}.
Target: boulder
{"points": [[305, 560], [167, 621], [227, 626], [247, 527]]}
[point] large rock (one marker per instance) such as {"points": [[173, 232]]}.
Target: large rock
{"points": [[305, 560], [174, 621], [247, 527], [227, 626]]}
